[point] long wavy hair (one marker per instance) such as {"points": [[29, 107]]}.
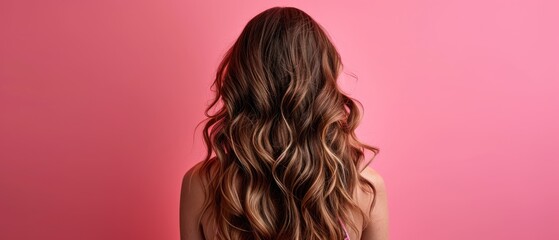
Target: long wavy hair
{"points": [[282, 156]]}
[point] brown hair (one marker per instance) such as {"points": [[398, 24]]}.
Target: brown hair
{"points": [[286, 155]]}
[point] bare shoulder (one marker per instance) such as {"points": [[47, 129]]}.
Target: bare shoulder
{"points": [[373, 176], [377, 227], [191, 203], [192, 182], [193, 174]]}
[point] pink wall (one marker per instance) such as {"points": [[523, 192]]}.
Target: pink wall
{"points": [[99, 100]]}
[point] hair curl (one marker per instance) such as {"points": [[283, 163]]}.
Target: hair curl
{"points": [[286, 155]]}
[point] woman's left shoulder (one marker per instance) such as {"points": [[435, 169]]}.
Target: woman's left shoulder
{"points": [[191, 203]]}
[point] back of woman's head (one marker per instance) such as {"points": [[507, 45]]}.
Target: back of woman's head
{"points": [[286, 159]]}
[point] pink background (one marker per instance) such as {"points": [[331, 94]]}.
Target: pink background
{"points": [[99, 100]]}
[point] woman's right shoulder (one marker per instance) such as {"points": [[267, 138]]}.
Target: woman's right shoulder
{"points": [[366, 195], [377, 226], [374, 177]]}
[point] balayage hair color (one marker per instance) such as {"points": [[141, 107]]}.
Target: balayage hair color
{"points": [[282, 156]]}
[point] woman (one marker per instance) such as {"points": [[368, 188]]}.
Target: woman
{"points": [[283, 161]]}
